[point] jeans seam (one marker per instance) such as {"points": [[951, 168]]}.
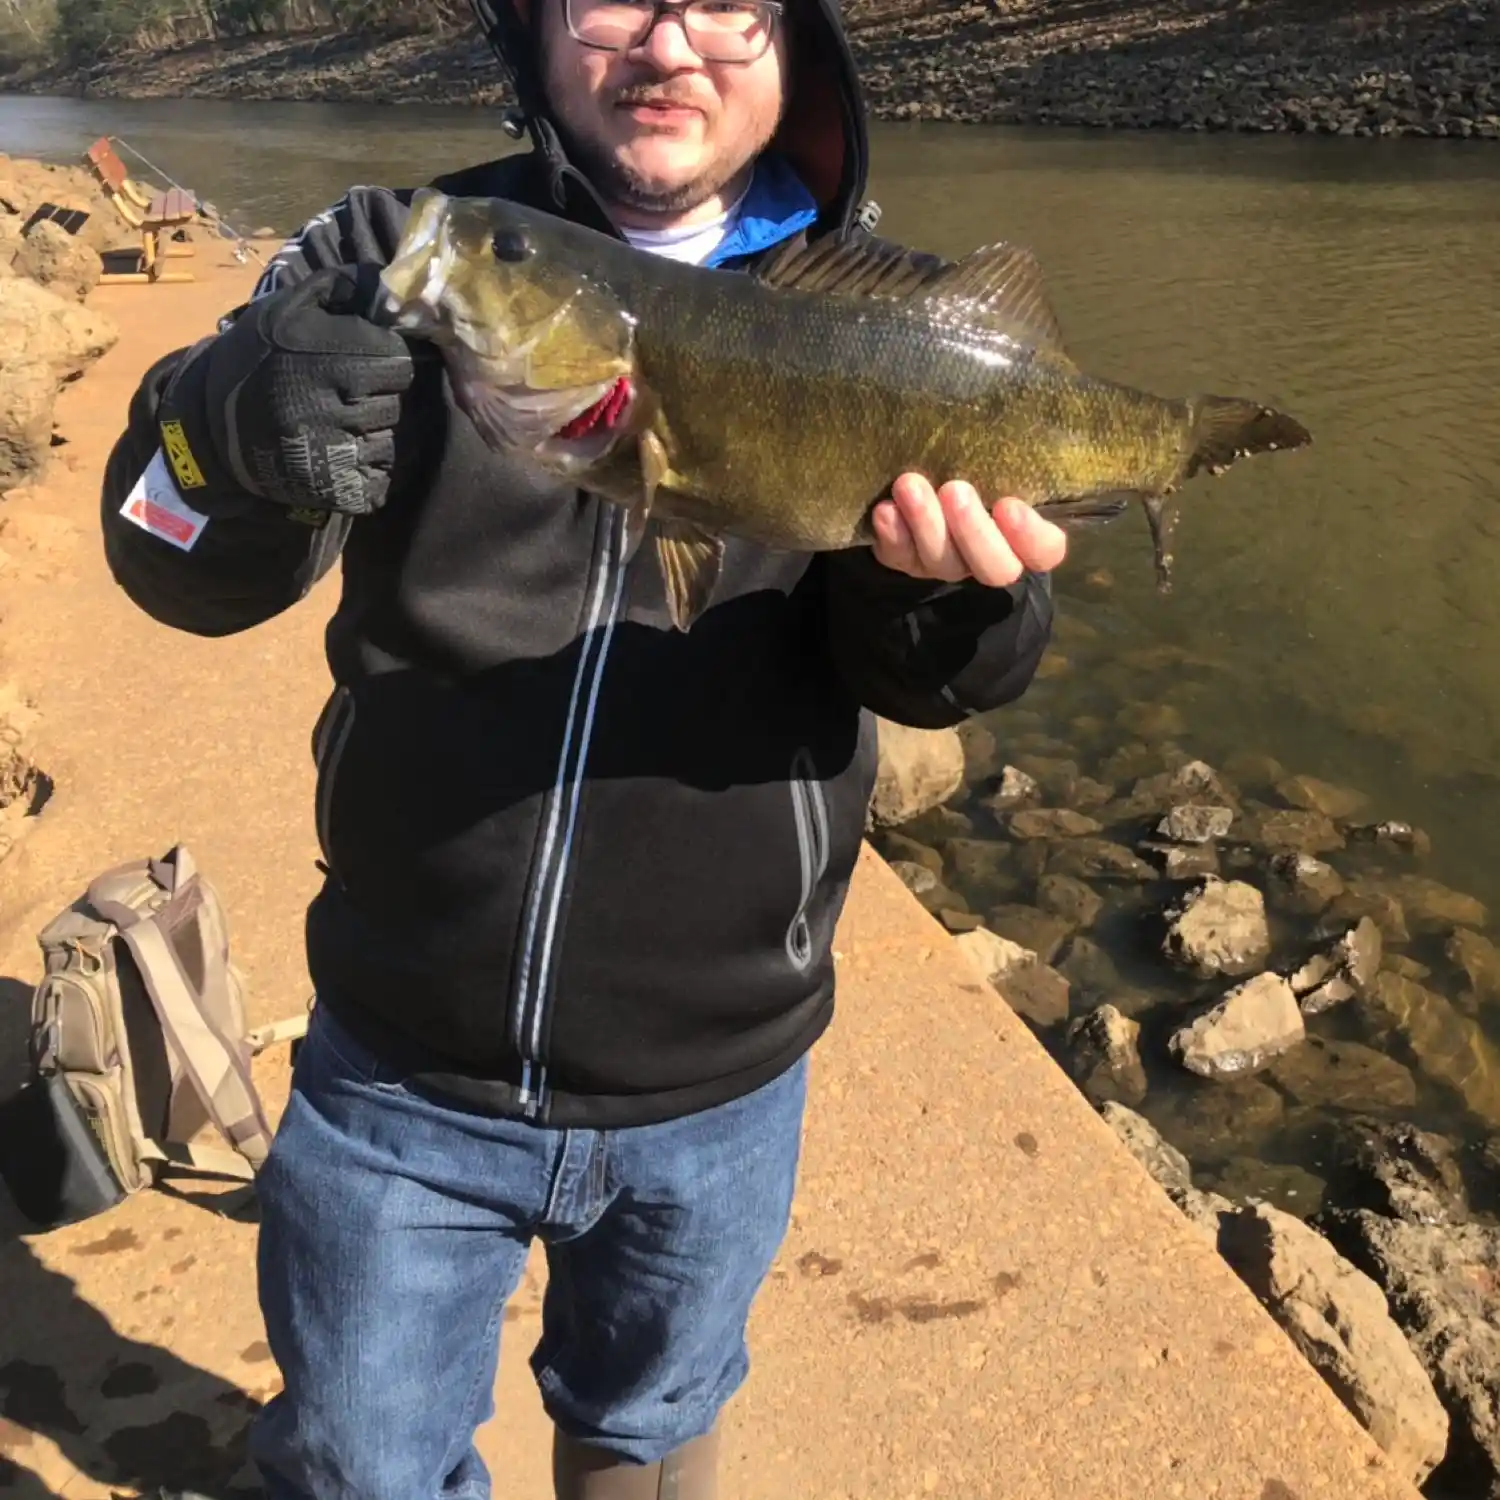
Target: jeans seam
{"points": [[491, 1338]]}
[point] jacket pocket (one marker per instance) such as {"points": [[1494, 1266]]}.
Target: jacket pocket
{"points": [[810, 815], [330, 738]]}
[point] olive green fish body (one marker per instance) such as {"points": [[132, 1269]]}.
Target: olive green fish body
{"points": [[793, 436], [779, 407]]}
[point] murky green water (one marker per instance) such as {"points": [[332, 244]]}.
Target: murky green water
{"points": [[1343, 604]]}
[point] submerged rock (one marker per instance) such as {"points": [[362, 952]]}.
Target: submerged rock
{"points": [[1185, 861], [1218, 1121], [1431, 906], [917, 770], [1152, 721], [918, 879], [1450, 1048], [898, 846], [1034, 991], [1333, 1074], [1052, 823], [1479, 959], [1393, 835], [1096, 859], [1364, 899], [1039, 931], [1300, 884], [1347, 969], [1292, 1189], [1312, 795], [938, 825], [1218, 928], [1288, 829], [1254, 1023], [1190, 823], [1104, 1056], [1016, 789], [1065, 896], [1337, 1316], [984, 867]]}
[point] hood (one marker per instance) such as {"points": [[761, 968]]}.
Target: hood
{"points": [[822, 132]]}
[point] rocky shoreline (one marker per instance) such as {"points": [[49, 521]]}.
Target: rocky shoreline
{"points": [[1256, 977], [50, 338], [1346, 69]]}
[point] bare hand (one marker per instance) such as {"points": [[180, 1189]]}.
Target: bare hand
{"points": [[948, 534]]}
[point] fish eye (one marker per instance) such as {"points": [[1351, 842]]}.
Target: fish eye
{"points": [[512, 245]]}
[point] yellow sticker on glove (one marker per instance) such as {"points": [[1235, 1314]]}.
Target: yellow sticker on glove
{"points": [[180, 456]]}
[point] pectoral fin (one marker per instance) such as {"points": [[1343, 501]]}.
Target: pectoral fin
{"points": [[690, 560]]}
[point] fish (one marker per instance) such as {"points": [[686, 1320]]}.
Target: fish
{"points": [[780, 405]]}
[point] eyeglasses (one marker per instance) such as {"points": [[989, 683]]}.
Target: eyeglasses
{"points": [[721, 31]]}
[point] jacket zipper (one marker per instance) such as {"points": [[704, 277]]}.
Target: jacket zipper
{"points": [[545, 907], [810, 813]]}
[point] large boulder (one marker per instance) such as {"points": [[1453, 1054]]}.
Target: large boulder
{"points": [[918, 770], [1337, 1316], [25, 185], [1219, 928], [1251, 1026], [53, 258], [1443, 1285], [37, 323], [46, 341]]}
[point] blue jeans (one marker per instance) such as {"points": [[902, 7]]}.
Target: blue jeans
{"points": [[395, 1228]]}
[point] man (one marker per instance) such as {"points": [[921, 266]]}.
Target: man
{"points": [[582, 870]]}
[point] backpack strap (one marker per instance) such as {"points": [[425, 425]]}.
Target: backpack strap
{"points": [[290, 1030], [211, 1063]]}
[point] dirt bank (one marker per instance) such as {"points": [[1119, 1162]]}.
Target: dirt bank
{"points": [[1346, 67]]}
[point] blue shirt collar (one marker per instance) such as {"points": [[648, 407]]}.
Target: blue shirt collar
{"points": [[776, 206]]}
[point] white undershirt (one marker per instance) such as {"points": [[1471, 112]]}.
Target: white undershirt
{"points": [[692, 243]]}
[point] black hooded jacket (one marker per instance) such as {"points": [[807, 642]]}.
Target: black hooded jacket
{"points": [[581, 867]]}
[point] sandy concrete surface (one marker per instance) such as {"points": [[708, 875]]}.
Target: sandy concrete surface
{"points": [[982, 1294]]}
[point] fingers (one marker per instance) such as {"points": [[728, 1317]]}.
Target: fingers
{"points": [[928, 519], [893, 543], [1037, 544], [948, 534]]}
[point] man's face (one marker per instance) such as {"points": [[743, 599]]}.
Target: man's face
{"points": [[658, 131]]}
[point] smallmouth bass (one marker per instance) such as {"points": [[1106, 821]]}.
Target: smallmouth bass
{"points": [[779, 406]]}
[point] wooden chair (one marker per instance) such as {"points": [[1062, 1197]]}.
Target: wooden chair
{"points": [[154, 215]]}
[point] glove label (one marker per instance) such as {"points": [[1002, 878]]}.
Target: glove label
{"points": [[156, 506], [180, 456]]}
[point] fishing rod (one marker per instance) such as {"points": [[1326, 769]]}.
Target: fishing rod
{"points": [[226, 230]]}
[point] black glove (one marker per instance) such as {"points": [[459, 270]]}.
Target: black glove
{"points": [[297, 401]]}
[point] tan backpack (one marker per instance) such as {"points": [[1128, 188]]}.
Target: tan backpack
{"points": [[138, 1041]]}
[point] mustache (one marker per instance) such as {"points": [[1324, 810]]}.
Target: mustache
{"points": [[661, 94]]}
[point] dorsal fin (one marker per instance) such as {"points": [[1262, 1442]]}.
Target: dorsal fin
{"points": [[999, 287]]}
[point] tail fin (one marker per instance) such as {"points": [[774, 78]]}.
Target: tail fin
{"points": [[1226, 428]]}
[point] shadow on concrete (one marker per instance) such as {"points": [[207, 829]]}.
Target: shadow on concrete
{"points": [[119, 1411]]}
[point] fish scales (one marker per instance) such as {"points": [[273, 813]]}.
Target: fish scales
{"points": [[775, 398]]}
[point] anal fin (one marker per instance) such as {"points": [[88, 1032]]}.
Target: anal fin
{"points": [[1090, 510], [690, 560], [1161, 513]]}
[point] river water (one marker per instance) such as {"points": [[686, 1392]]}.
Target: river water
{"points": [[1340, 606]]}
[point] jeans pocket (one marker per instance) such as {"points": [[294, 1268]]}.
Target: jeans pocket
{"points": [[342, 1057]]}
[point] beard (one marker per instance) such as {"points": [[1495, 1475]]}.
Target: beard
{"points": [[619, 182]]}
